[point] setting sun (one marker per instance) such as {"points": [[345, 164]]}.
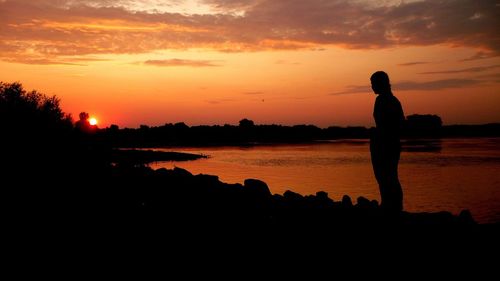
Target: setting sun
{"points": [[93, 121]]}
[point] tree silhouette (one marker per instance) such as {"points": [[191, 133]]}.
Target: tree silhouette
{"points": [[246, 123], [423, 125], [36, 134], [83, 125], [25, 116]]}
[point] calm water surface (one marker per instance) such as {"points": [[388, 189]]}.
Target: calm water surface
{"points": [[451, 174]]}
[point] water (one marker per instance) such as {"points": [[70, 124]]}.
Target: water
{"points": [[447, 175]]}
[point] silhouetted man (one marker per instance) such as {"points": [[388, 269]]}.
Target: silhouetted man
{"points": [[385, 146]]}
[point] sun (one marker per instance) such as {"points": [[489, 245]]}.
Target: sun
{"points": [[93, 121]]}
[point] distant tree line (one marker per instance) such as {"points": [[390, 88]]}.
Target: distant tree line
{"points": [[30, 119], [245, 133], [180, 134]]}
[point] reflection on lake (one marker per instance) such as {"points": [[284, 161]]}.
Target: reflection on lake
{"points": [[451, 174]]}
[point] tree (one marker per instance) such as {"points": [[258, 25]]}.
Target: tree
{"points": [[114, 128], [246, 123], [423, 125], [83, 125], [31, 113], [35, 132]]}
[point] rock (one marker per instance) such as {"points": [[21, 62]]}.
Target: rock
{"points": [[292, 196], [322, 195], [465, 218], [208, 179], [346, 201], [363, 202], [257, 188], [321, 200], [182, 172], [208, 183]]}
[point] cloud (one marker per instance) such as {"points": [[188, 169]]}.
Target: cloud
{"points": [[41, 61], [435, 85], [52, 28], [253, 93], [86, 59], [480, 55], [413, 63], [232, 5], [353, 89], [181, 62], [465, 70], [219, 101], [53, 60], [492, 78], [491, 75], [286, 62], [415, 86]]}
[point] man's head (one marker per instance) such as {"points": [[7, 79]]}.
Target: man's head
{"points": [[380, 83]]}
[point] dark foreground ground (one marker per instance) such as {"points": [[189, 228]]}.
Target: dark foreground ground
{"points": [[160, 199], [133, 213], [85, 201]]}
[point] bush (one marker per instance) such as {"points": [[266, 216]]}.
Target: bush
{"points": [[30, 114]]}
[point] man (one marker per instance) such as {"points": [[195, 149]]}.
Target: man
{"points": [[385, 145]]}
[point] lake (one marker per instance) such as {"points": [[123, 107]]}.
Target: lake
{"points": [[436, 175]]}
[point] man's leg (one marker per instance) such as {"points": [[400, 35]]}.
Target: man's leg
{"points": [[395, 192]]}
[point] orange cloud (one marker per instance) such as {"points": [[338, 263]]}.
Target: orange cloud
{"points": [[44, 30], [414, 85], [412, 63], [112, 25], [466, 70], [181, 62]]}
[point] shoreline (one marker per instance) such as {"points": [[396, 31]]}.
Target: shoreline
{"points": [[140, 156]]}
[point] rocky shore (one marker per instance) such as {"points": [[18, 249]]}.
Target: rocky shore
{"points": [[177, 196]]}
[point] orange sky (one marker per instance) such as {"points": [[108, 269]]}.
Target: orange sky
{"points": [[273, 61]]}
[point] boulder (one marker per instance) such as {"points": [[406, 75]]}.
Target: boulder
{"points": [[346, 201], [257, 188]]}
